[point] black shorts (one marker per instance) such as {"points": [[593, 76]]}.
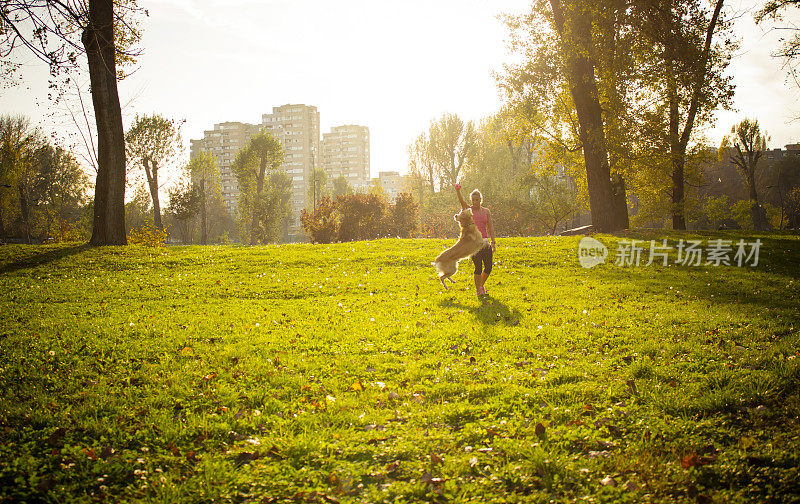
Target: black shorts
{"points": [[483, 260]]}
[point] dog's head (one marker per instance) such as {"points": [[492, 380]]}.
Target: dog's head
{"points": [[464, 217]]}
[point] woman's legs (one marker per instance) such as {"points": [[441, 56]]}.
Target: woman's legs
{"points": [[487, 261], [478, 273]]}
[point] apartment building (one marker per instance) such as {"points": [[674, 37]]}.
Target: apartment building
{"points": [[345, 152], [224, 142], [296, 126], [391, 182]]}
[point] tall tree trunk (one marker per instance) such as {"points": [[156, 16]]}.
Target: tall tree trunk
{"points": [[203, 232], [151, 170], [108, 226], [262, 170], [677, 156], [757, 214], [583, 88], [678, 145], [23, 208]]}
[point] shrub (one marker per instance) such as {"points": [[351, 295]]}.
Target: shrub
{"points": [[362, 216], [147, 235], [403, 216], [322, 225]]}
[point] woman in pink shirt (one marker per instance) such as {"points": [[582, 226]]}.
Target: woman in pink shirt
{"points": [[483, 219]]}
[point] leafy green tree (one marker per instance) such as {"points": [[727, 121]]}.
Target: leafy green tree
{"points": [[744, 146], [60, 189], [403, 216], [716, 209], [57, 33], [553, 200], [18, 142], [265, 208], [152, 143], [451, 146], [205, 176], [341, 187], [682, 66], [184, 204]]}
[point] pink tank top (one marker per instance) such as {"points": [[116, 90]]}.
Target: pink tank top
{"points": [[481, 219]]}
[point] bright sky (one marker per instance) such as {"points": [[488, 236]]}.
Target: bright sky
{"points": [[391, 66]]}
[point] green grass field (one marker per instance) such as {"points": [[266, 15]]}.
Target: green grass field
{"points": [[345, 373]]}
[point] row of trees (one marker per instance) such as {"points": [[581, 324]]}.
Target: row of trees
{"points": [[625, 83], [105, 33], [43, 190], [605, 112], [534, 189], [361, 216]]}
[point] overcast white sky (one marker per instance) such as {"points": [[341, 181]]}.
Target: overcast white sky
{"points": [[391, 66]]}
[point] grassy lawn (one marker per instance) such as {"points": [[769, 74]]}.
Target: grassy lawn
{"points": [[345, 373]]}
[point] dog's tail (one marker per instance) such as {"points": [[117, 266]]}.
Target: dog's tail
{"points": [[438, 267]]}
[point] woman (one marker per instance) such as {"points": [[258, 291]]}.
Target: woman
{"points": [[483, 219]]}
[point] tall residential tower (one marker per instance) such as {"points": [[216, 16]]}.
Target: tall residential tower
{"points": [[345, 152], [224, 143], [297, 128]]}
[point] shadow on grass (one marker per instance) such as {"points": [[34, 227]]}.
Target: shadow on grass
{"points": [[40, 259], [770, 285], [490, 312]]}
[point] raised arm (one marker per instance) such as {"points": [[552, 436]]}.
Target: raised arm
{"points": [[460, 198]]}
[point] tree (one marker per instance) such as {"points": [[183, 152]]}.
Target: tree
{"points": [[152, 142], [404, 216], [786, 180], [362, 216], [421, 164], [60, 189], [184, 203], [561, 51], [205, 176], [322, 225], [790, 46], [624, 82], [685, 69], [138, 208], [256, 205], [48, 29], [17, 145], [341, 187], [744, 146], [451, 145]]}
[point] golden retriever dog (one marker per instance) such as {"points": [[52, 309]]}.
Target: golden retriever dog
{"points": [[470, 241]]}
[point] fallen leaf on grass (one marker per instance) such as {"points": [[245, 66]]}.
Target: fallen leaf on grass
{"points": [[540, 431], [608, 481], [695, 460], [357, 386]]}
